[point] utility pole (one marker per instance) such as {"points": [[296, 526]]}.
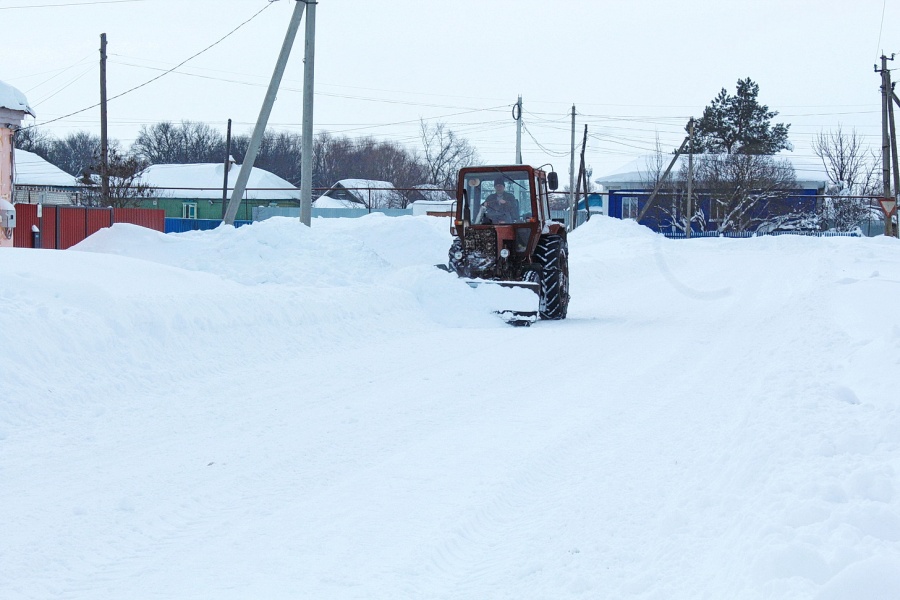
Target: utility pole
{"points": [[572, 174], [584, 183], [896, 100], [104, 133], [885, 138], [690, 180], [306, 143], [517, 115], [893, 130], [253, 148], [227, 168], [581, 186]]}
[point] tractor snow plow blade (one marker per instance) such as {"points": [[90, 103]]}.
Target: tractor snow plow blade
{"points": [[528, 285], [516, 302], [518, 318]]}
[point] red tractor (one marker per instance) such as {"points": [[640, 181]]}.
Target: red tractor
{"points": [[503, 234]]}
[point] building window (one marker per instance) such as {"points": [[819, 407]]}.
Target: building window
{"points": [[629, 207], [717, 211], [189, 210]]}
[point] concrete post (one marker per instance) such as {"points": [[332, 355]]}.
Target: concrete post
{"points": [[256, 139], [306, 143]]}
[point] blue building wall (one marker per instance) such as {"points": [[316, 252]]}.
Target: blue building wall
{"points": [[628, 204]]}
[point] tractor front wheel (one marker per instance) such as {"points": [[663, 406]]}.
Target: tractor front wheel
{"points": [[452, 261]]}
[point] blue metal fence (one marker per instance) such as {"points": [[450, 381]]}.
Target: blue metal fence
{"points": [[749, 234], [176, 225]]}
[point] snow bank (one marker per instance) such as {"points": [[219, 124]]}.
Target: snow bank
{"points": [[281, 411]]}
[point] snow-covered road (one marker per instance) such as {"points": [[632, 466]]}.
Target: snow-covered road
{"points": [[288, 412]]}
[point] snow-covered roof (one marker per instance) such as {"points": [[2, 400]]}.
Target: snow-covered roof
{"points": [[329, 202], [636, 172], [13, 99], [365, 192], [208, 178], [31, 169], [432, 193], [365, 183]]}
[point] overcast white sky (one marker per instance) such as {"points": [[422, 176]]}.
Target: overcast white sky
{"points": [[634, 68]]}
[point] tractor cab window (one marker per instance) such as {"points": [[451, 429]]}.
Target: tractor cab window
{"points": [[498, 197]]}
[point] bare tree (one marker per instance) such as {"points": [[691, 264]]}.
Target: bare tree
{"points": [[185, 143], [748, 190], [337, 158], [279, 153], [126, 188], [445, 154], [330, 154], [77, 152], [853, 170], [33, 139]]}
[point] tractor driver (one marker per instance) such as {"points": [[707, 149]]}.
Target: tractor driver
{"points": [[499, 207]]}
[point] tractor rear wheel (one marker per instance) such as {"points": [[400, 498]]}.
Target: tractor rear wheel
{"points": [[552, 253]]}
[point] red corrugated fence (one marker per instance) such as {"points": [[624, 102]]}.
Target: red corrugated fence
{"points": [[62, 227]]}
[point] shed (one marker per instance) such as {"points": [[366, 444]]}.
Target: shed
{"points": [[361, 193]]}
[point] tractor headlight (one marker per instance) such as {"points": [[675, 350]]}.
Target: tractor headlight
{"points": [[458, 255], [504, 253]]}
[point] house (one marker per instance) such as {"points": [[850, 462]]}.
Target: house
{"points": [[37, 181], [13, 108], [630, 187], [430, 193], [428, 199], [194, 191], [361, 193]]}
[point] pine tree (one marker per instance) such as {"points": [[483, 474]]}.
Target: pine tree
{"points": [[739, 124]]}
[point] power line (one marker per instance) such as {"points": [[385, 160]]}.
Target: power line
{"points": [[82, 74], [137, 87], [58, 73], [541, 146], [297, 90], [880, 28], [71, 4]]}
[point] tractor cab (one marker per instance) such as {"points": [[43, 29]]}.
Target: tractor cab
{"points": [[524, 187]]}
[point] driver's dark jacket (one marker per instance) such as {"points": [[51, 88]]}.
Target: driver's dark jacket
{"points": [[497, 212]]}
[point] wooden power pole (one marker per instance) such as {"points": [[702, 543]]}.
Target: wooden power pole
{"points": [[104, 134], [652, 199], [893, 133], [885, 138], [689, 210], [572, 176]]}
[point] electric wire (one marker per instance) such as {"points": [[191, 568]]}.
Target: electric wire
{"points": [[82, 74], [880, 29], [58, 73], [70, 4], [137, 87], [541, 146]]}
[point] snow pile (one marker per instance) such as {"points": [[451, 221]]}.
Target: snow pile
{"points": [[280, 411]]}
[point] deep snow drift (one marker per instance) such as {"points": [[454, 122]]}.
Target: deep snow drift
{"points": [[288, 412]]}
